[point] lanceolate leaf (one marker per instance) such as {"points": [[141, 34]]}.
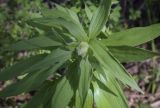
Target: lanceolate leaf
{"points": [[55, 57], [61, 12], [25, 85], [43, 97], [131, 54], [35, 79], [78, 100], [112, 66], [56, 36], [99, 18], [99, 97], [89, 100], [20, 68], [63, 94], [85, 77], [89, 103], [66, 14], [78, 32], [30, 82], [116, 101], [66, 88], [34, 43], [133, 36], [88, 12], [63, 37]]}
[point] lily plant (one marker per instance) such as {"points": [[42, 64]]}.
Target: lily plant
{"points": [[81, 67]]}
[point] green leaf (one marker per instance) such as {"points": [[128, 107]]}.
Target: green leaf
{"points": [[26, 84], [58, 35], [20, 68], [88, 12], [111, 65], [133, 36], [131, 54], [38, 25], [99, 18], [66, 87], [61, 12], [34, 43], [73, 74], [60, 16], [29, 83], [43, 96], [73, 28], [98, 72], [77, 100], [99, 97], [63, 94], [116, 100], [35, 79], [89, 15], [89, 100], [85, 77], [55, 57]]}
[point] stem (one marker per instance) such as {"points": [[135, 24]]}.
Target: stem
{"points": [[149, 12], [152, 42], [82, 4], [154, 50]]}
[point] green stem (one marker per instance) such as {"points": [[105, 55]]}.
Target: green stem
{"points": [[154, 50], [150, 22]]}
